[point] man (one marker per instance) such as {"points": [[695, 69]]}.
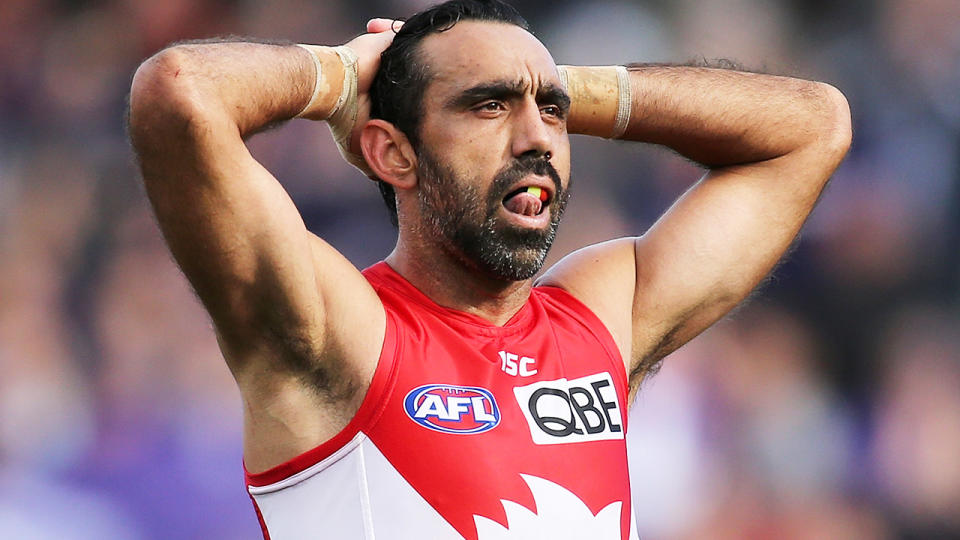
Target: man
{"points": [[440, 394]]}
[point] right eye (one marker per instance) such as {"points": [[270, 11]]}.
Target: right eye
{"points": [[490, 106]]}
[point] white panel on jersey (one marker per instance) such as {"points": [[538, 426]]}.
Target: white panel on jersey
{"points": [[356, 494], [560, 514], [397, 508], [327, 498]]}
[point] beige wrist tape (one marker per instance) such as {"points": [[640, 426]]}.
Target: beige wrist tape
{"points": [[337, 105], [327, 85], [601, 99]]}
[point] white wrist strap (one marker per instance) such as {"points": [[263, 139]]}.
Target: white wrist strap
{"points": [[344, 116], [316, 82], [562, 71], [624, 103]]}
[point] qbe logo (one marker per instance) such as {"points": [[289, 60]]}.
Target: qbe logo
{"points": [[571, 411], [452, 409]]}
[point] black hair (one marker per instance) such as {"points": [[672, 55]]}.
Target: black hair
{"points": [[396, 94]]}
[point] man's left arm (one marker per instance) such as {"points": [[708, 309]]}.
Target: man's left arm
{"points": [[770, 144]]}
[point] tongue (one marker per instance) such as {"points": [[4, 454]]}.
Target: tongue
{"points": [[524, 203]]}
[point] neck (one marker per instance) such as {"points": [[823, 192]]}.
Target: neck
{"points": [[450, 283]]}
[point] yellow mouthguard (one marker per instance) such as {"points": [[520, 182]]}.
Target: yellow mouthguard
{"points": [[535, 191]]}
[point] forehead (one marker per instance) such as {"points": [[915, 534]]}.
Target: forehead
{"points": [[477, 51]]}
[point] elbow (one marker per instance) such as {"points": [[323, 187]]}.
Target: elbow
{"points": [[163, 97], [157, 86], [836, 132]]}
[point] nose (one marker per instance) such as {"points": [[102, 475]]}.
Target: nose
{"points": [[531, 135]]}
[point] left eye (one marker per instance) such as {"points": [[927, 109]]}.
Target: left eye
{"points": [[552, 110], [490, 106]]}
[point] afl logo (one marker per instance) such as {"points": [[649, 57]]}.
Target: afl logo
{"points": [[452, 409]]}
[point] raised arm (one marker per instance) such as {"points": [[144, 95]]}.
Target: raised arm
{"points": [[770, 143], [283, 302]]}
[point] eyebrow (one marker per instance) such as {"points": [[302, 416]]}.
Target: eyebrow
{"points": [[504, 90]]}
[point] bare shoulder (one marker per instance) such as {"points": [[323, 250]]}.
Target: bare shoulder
{"points": [[603, 277]]}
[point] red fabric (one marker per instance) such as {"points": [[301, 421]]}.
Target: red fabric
{"points": [[465, 474]]}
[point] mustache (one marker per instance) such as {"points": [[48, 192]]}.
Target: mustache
{"points": [[521, 167]]}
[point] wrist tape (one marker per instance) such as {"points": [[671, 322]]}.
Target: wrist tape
{"points": [[338, 108], [601, 99]]}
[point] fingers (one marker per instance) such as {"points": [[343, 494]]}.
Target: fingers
{"points": [[382, 25]]}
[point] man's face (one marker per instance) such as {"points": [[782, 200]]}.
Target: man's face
{"points": [[493, 162], [472, 222]]}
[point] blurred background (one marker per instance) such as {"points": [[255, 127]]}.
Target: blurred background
{"points": [[828, 407]]}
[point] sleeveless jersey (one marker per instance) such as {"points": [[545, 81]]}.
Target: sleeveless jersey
{"points": [[469, 430]]}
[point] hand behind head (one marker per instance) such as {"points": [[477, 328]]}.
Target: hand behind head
{"points": [[368, 47]]}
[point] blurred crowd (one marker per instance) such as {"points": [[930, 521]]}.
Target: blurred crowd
{"points": [[827, 407]]}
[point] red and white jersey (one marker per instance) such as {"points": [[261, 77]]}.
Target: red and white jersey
{"points": [[469, 430]]}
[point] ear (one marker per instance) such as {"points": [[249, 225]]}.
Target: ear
{"points": [[389, 153]]}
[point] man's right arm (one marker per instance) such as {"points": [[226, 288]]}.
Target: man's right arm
{"points": [[284, 303]]}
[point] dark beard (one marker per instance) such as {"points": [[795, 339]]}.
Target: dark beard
{"points": [[468, 224]]}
